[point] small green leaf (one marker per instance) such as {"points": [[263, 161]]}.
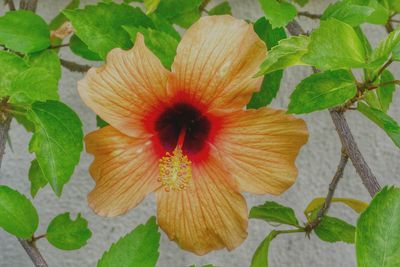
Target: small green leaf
{"points": [[67, 234], [379, 16], [34, 84], [301, 2], [161, 44], [279, 13], [100, 26], [260, 257], [335, 45], [287, 53], [385, 49], [151, 5], [333, 229], [348, 12], [100, 122], [57, 21], [378, 231], [317, 203], [17, 214], [381, 98], [181, 12], [37, 178], [47, 59], [274, 212], [10, 66], [222, 9], [322, 90], [139, 248], [79, 48], [383, 120], [56, 141], [23, 31]]}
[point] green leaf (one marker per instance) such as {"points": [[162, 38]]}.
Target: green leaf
{"points": [[100, 26], [34, 84], [23, 31], [67, 234], [277, 12], [57, 21], [161, 44], [181, 12], [100, 122], [222, 9], [322, 90], [378, 231], [385, 49], [139, 248], [271, 83], [301, 2], [79, 48], [260, 257], [333, 229], [151, 5], [274, 212], [56, 141], [381, 98], [37, 178], [380, 14], [335, 45], [17, 214], [383, 120], [46, 59], [164, 25], [348, 12], [317, 203], [10, 66], [287, 53]]}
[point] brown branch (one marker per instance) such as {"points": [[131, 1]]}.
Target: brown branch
{"points": [[332, 187], [28, 5], [73, 66], [11, 5], [33, 253], [309, 15], [346, 137], [4, 127]]}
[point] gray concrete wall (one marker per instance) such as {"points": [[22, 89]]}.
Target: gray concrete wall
{"points": [[317, 163]]}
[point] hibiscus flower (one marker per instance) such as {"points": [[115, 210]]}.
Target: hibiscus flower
{"points": [[184, 134]]}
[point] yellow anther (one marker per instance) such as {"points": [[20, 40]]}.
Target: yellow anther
{"points": [[175, 170]]}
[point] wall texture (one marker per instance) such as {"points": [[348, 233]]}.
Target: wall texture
{"points": [[317, 163]]}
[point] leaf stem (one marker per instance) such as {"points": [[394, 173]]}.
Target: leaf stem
{"points": [[309, 15], [73, 66], [291, 231], [58, 46], [35, 238]]}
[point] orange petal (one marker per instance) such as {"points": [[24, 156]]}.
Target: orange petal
{"points": [[260, 147], [209, 214], [126, 88], [216, 61], [125, 170]]}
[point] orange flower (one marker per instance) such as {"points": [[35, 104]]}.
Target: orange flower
{"points": [[184, 134]]}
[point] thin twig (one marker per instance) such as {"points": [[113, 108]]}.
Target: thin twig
{"points": [[58, 46], [11, 5], [332, 187], [382, 69], [309, 15], [394, 20], [33, 253], [383, 84], [346, 137], [35, 238], [73, 66]]}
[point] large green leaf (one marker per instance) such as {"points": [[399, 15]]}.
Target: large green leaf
{"points": [[181, 12], [384, 121], [322, 90], [10, 66], [160, 43], [287, 53], [378, 231], [67, 234], [221, 9], [274, 212], [17, 214], [333, 229], [385, 49], [100, 26], [36, 177], [260, 257], [23, 31], [271, 83], [34, 84], [56, 141], [79, 48], [335, 45], [58, 20], [381, 13], [348, 12], [139, 248], [279, 13], [47, 59]]}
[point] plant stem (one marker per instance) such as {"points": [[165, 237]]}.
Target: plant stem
{"points": [[383, 84], [299, 230], [35, 238], [33, 253], [332, 187], [308, 15], [72, 66], [11, 5], [58, 46], [28, 5], [346, 137]]}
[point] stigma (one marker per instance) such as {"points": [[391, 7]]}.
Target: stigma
{"points": [[175, 168]]}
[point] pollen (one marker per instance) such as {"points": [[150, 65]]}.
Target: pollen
{"points": [[175, 170]]}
